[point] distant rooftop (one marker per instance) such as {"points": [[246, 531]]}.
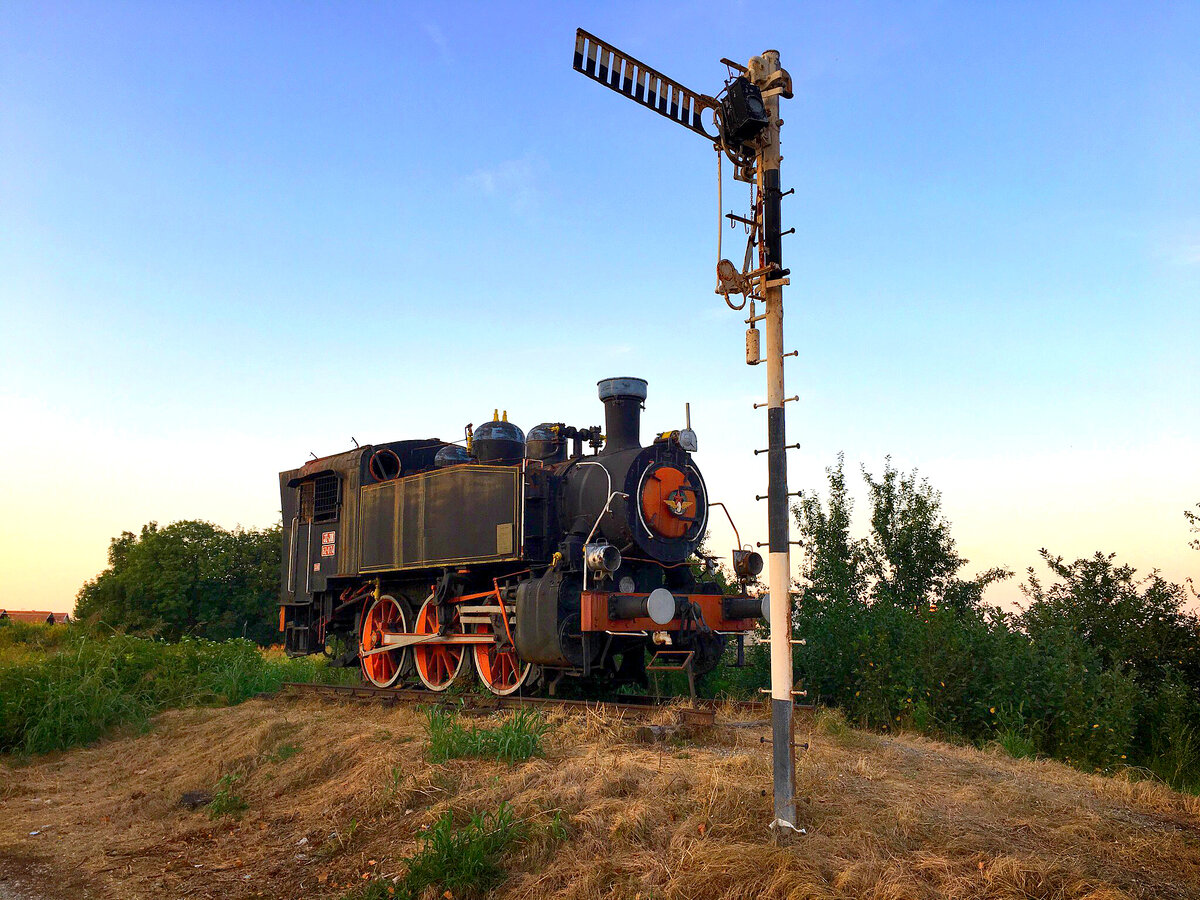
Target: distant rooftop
{"points": [[34, 615]]}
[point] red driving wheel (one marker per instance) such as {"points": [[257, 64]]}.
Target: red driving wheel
{"points": [[437, 664], [380, 666]]}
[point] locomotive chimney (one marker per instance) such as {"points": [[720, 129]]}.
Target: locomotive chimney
{"points": [[622, 399]]}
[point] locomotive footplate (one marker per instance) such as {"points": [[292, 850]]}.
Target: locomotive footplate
{"points": [[612, 611]]}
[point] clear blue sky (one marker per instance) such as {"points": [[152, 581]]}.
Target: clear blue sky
{"points": [[234, 233]]}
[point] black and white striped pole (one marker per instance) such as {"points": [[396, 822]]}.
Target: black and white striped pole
{"points": [[762, 71]]}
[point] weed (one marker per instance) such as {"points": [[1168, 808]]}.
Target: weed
{"points": [[375, 889], [225, 802], [557, 829], [1015, 743], [462, 860], [1014, 733], [513, 741], [283, 752], [338, 841], [831, 721], [395, 781]]}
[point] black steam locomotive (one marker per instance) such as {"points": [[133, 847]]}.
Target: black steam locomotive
{"points": [[530, 556]]}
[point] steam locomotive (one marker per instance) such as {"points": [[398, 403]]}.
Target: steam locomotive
{"points": [[529, 556]]}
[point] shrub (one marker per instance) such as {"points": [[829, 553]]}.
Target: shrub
{"points": [[189, 578], [20, 639]]}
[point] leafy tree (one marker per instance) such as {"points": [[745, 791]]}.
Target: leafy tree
{"points": [[891, 633], [1102, 669], [833, 563], [190, 577], [1193, 519], [909, 553], [908, 558], [831, 604]]}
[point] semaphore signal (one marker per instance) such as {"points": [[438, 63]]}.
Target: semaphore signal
{"points": [[746, 130]]}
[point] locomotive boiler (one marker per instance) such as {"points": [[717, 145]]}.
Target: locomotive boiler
{"points": [[526, 558]]}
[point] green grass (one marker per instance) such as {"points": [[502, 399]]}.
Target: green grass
{"points": [[464, 859], [513, 741], [63, 685], [1017, 744], [20, 641]]}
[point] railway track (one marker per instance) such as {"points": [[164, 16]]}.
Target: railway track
{"points": [[702, 710]]}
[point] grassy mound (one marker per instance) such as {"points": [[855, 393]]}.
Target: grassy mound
{"points": [[336, 799]]}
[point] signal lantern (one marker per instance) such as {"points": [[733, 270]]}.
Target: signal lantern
{"points": [[743, 115]]}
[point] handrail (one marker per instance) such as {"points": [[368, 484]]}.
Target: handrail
{"points": [[292, 556], [736, 536], [603, 512]]}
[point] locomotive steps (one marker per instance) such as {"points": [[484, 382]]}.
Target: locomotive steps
{"points": [[336, 790]]}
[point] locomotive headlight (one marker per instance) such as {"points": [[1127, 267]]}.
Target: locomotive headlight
{"points": [[747, 563], [660, 606], [603, 559], [687, 440]]}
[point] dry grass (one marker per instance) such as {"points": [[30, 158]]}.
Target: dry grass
{"points": [[886, 818]]}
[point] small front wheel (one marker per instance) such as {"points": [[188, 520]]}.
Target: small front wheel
{"points": [[501, 671]]}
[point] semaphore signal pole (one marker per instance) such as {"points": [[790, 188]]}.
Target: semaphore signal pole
{"points": [[779, 569], [747, 132]]}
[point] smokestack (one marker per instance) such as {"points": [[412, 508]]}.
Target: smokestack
{"points": [[622, 399]]}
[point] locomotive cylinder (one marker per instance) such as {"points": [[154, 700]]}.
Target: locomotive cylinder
{"points": [[742, 607]]}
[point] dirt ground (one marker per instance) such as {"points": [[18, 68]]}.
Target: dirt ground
{"points": [[337, 791]]}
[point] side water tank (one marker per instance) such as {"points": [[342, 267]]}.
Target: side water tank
{"points": [[451, 455], [499, 443], [545, 442]]}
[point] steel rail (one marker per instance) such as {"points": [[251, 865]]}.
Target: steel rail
{"points": [[634, 703]]}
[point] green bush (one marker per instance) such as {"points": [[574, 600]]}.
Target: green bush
{"points": [[18, 639], [225, 802], [189, 578], [1101, 670]]}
